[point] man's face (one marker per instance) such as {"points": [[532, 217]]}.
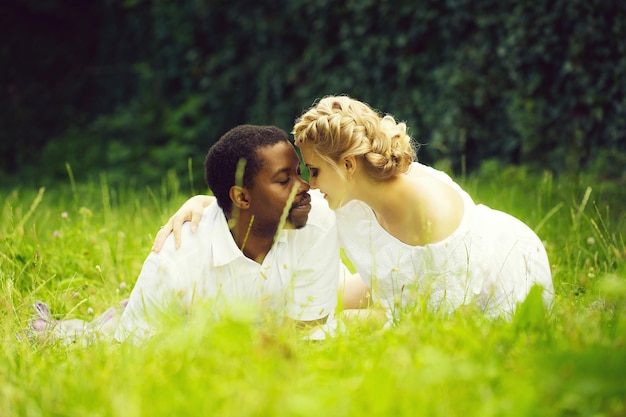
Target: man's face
{"points": [[272, 186]]}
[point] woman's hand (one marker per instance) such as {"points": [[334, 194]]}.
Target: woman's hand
{"points": [[191, 211]]}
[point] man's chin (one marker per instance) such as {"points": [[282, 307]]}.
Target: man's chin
{"points": [[296, 222]]}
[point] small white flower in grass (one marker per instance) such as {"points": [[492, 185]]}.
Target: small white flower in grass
{"points": [[591, 241], [64, 215], [98, 268], [90, 311], [56, 233], [122, 285]]}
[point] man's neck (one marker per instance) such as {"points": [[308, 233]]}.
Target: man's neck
{"points": [[254, 246]]}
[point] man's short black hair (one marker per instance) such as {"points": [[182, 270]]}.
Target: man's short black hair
{"points": [[239, 143]]}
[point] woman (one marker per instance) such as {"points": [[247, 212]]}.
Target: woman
{"points": [[412, 233]]}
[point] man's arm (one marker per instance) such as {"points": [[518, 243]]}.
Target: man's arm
{"points": [[317, 272], [148, 301]]}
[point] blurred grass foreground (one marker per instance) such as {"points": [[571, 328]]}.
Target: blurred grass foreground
{"points": [[81, 247]]}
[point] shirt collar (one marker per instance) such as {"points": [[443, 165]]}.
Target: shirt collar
{"points": [[223, 244]]}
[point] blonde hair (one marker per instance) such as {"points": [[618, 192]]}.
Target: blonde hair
{"points": [[339, 126]]}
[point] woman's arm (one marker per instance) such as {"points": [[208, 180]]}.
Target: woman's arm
{"points": [[354, 292], [191, 211]]}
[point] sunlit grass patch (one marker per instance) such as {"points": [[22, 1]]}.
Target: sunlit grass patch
{"points": [[80, 248]]}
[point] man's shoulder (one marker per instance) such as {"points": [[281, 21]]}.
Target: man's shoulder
{"points": [[213, 217], [212, 225]]}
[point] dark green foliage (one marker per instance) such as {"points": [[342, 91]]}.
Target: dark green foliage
{"points": [[137, 87]]}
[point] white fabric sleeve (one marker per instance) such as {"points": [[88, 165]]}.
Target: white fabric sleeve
{"points": [[147, 304], [316, 276]]}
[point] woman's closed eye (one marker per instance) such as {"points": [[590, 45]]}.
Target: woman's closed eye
{"points": [[313, 172]]}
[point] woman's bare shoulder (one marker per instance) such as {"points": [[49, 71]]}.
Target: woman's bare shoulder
{"points": [[441, 205]]}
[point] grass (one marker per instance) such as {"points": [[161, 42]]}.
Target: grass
{"points": [[80, 248]]}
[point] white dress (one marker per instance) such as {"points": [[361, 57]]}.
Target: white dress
{"points": [[492, 259]]}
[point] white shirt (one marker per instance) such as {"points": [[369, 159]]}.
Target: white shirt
{"points": [[297, 279]]}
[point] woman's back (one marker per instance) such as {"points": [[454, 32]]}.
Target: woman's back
{"points": [[420, 208]]}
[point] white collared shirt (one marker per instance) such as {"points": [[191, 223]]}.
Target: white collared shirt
{"points": [[297, 279]]}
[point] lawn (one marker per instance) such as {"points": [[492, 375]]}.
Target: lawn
{"points": [[80, 247]]}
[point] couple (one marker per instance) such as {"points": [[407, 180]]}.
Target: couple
{"points": [[412, 233]]}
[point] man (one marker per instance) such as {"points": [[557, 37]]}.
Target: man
{"points": [[267, 247]]}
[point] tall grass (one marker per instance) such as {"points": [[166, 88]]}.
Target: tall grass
{"points": [[80, 248]]}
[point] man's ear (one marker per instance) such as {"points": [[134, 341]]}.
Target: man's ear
{"points": [[239, 196]]}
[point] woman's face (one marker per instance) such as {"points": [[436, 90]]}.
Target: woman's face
{"points": [[325, 177]]}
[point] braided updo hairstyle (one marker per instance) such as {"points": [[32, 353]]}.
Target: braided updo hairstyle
{"points": [[339, 126]]}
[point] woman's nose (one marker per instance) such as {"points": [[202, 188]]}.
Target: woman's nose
{"points": [[304, 186]]}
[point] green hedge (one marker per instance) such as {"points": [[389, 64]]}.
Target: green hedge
{"points": [[144, 85]]}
